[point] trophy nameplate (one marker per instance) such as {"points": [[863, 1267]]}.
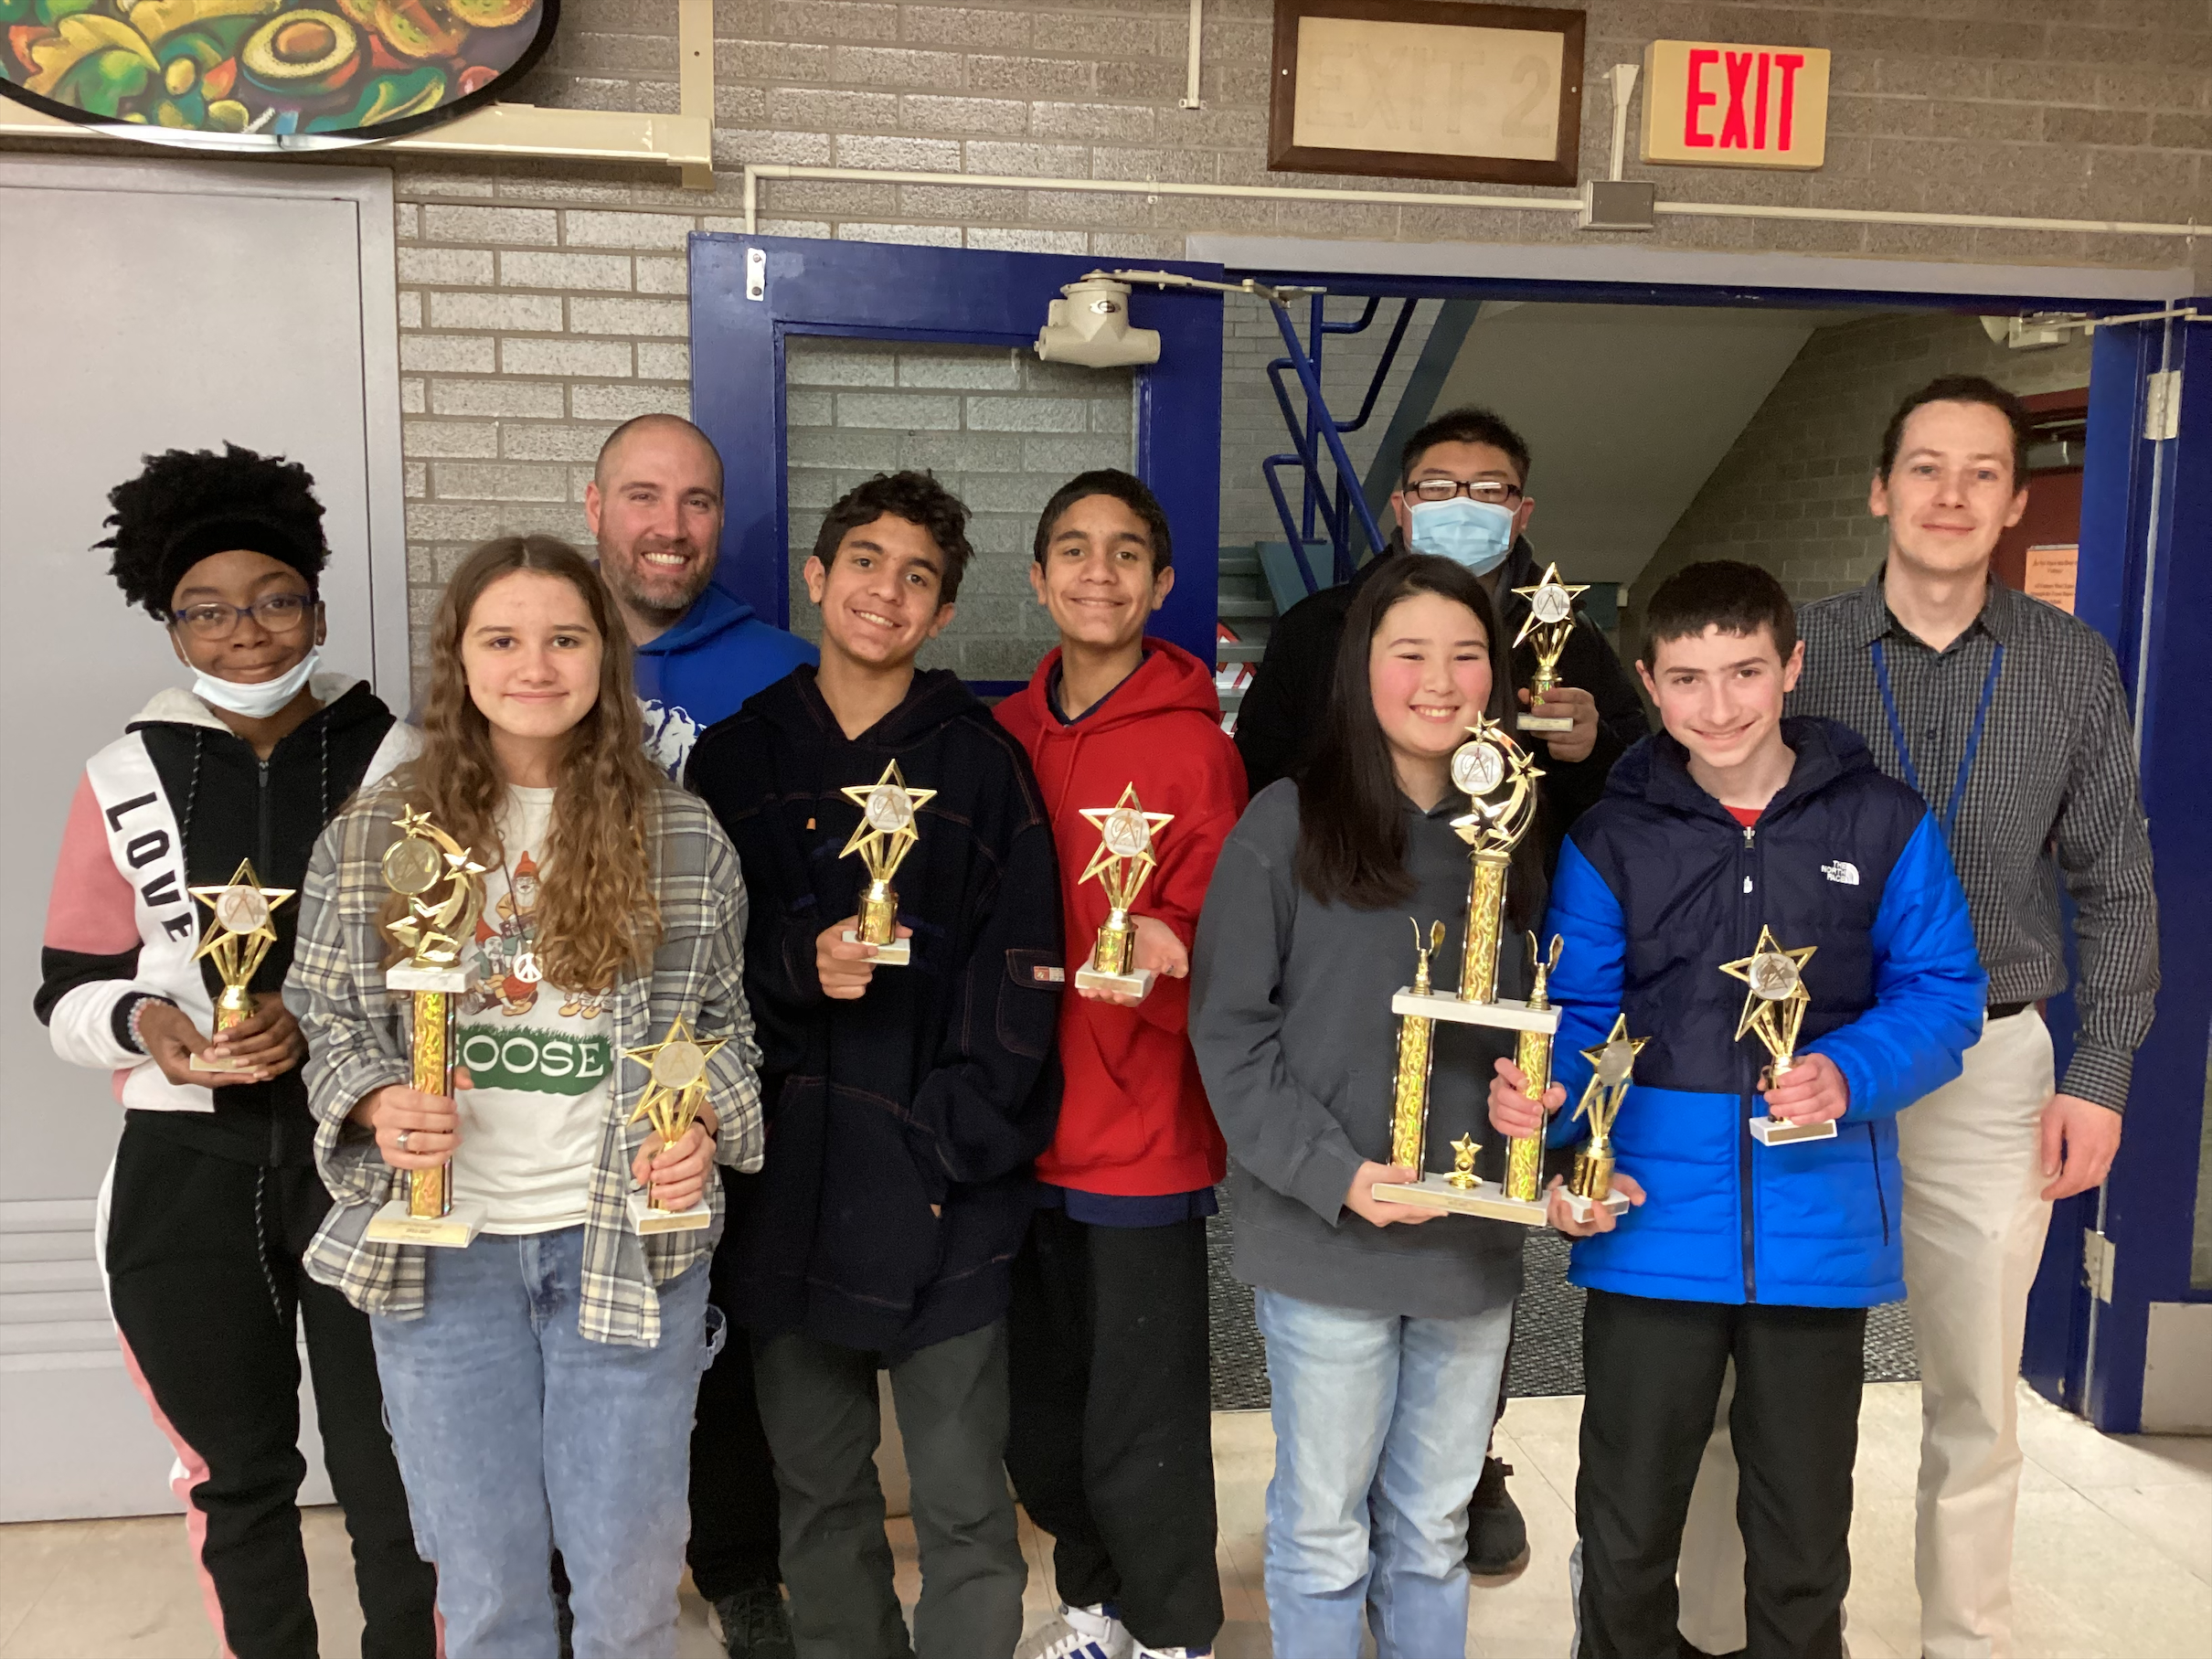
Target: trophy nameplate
{"points": [[884, 837], [674, 1091], [444, 887], [239, 934], [1124, 861], [1551, 621], [1774, 1013]]}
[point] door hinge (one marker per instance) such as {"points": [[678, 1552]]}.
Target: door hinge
{"points": [[756, 273], [2098, 1255], [2162, 405]]}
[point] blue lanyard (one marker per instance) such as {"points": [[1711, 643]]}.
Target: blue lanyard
{"points": [[1946, 819]]}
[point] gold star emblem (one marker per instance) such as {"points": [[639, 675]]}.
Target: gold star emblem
{"points": [[240, 908], [677, 1085], [1125, 830], [1773, 974], [1614, 1058], [1552, 603], [886, 813]]}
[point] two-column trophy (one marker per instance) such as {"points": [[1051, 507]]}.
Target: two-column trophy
{"points": [[1551, 620], [1124, 861], [674, 1092], [1612, 1065], [883, 837], [1774, 1012], [238, 937], [444, 887], [1500, 780]]}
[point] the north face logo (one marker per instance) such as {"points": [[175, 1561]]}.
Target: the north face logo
{"points": [[1841, 871]]}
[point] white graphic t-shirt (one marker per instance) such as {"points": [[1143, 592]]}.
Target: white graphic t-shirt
{"points": [[540, 1058]]}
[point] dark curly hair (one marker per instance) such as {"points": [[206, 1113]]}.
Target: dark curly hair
{"points": [[915, 497], [188, 504]]}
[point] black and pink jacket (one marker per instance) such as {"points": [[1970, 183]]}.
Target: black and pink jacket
{"points": [[174, 803]]}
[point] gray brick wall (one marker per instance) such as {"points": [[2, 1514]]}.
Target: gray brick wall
{"points": [[1000, 430], [1790, 495]]}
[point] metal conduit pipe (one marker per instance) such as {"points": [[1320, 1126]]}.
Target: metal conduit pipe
{"points": [[757, 171]]}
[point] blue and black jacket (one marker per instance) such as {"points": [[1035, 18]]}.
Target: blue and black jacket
{"points": [[1657, 887]]}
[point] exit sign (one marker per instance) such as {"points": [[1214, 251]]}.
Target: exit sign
{"points": [[1710, 104]]}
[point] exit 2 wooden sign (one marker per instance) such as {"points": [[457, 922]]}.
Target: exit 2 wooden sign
{"points": [[1710, 104]]}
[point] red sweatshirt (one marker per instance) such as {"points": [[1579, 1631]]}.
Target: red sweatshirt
{"points": [[1134, 1120]]}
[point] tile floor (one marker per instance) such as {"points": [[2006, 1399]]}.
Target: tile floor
{"points": [[2114, 1554]]}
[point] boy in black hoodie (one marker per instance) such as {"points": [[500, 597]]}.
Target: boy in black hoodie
{"points": [[906, 1103]]}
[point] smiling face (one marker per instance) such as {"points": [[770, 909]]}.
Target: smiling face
{"points": [[1720, 695], [1096, 576], [531, 656], [1951, 492], [655, 507], [879, 593], [1428, 676], [253, 651]]}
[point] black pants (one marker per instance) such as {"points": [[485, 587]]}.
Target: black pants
{"points": [[1112, 1443], [1652, 1371], [733, 1477], [204, 1275]]}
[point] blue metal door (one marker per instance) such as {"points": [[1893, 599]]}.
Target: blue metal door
{"points": [[750, 294]]}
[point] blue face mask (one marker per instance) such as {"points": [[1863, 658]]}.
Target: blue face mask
{"points": [[1471, 533]]}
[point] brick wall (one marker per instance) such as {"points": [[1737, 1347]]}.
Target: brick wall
{"points": [[1790, 495]]}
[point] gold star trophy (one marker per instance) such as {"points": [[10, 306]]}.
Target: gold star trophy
{"points": [[674, 1092], [238, 937], [1612, 1064], [1774, 1012], [1551, 619], [1124, 861], [444, 887], [1500, 782], [883, 838]]}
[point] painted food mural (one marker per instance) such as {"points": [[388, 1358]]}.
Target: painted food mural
{"points": [[280, 67]]}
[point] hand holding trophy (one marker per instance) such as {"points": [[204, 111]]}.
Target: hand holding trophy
{"points": [[238, 937], [1124, 858], [674, 1092], [883, 837], [1774, 1012], [1551, 620]]}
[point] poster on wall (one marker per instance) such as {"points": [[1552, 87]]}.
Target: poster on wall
{"points": [[280, 74]]}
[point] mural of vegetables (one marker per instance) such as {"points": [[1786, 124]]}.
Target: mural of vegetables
{"points": [[332, 69]]}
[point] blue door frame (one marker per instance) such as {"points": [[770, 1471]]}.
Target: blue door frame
{"points": [[877, 290]]}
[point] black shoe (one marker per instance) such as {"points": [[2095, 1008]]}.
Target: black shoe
{"points": [[1498, 1538], [1686, 1649], [754, 1624]]}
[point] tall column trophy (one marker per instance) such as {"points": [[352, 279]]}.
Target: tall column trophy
{"points": [[883, 838], [1124, 861], [1416, 1052], [1774, 1012], [444, 887], [1613, 1065], [674, 1092], [1500, 782], [1551, 619], [238, 937]]}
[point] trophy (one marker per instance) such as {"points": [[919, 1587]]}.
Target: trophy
{"points": [[238, 937], [442, 883], [1774, 1012], [674, 1091], [883, 838], [1551, 619], [1612, 1062], [1500, 782], [1124, 861], [1462, 1173]]}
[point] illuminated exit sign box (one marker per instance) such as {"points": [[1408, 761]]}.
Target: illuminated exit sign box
{"points": [[1710, 104]]}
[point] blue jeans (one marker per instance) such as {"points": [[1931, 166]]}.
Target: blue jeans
{"points": [[1381, 1422], [516, 1435]]}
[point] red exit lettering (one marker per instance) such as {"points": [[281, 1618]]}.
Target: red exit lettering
{"points": [[1744, 123]]}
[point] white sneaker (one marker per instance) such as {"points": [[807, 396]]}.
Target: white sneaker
{"points": [[1081, 1633], [1141, 1652]]}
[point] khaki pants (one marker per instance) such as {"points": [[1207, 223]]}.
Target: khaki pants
{"points": [[1974, 1236]]}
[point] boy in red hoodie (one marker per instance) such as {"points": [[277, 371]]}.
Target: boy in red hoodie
{"points": [[1111, 1446]]}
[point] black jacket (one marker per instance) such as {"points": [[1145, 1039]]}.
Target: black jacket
{"points": [[1280, 719], [939, 1087]]}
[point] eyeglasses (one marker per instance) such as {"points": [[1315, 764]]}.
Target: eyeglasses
{"points": [[277, 613], [1483, 489]]}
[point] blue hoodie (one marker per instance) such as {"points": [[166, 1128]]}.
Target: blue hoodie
{"points": [[704, 668]]}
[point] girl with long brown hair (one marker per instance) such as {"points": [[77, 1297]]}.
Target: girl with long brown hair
{"points": [[540, 1380]]}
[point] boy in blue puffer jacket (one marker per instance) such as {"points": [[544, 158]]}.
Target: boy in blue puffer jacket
{"points": [[1733, 820]]}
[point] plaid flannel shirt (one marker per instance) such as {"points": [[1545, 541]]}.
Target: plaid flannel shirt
{"points": [[358, 1041]]}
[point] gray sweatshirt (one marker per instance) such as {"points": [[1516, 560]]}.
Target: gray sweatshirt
{"points": [[1290, 1016]]}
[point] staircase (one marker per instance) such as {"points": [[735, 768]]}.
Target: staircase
{"points": [[1248, 610]]}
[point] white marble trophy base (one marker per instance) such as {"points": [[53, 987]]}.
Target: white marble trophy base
{"points": [[455, 1230], [1503, 1015], [898, 954], [648, 1220], [1486, 1198], [1137, 983], [1582, 1209], [1779, 1132]]}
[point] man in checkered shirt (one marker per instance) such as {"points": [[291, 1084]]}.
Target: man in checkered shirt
{"points": [[2009, 717]]}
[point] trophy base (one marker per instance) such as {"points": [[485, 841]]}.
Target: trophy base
{"points": [[197, 1064], [455, 1230], [1485, 1198], [649, 1220], [1546, 722], [898, 954], [406, 977], [1778, 1131], [1582, 1209], [1504, 1014], [1136, 982]]}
